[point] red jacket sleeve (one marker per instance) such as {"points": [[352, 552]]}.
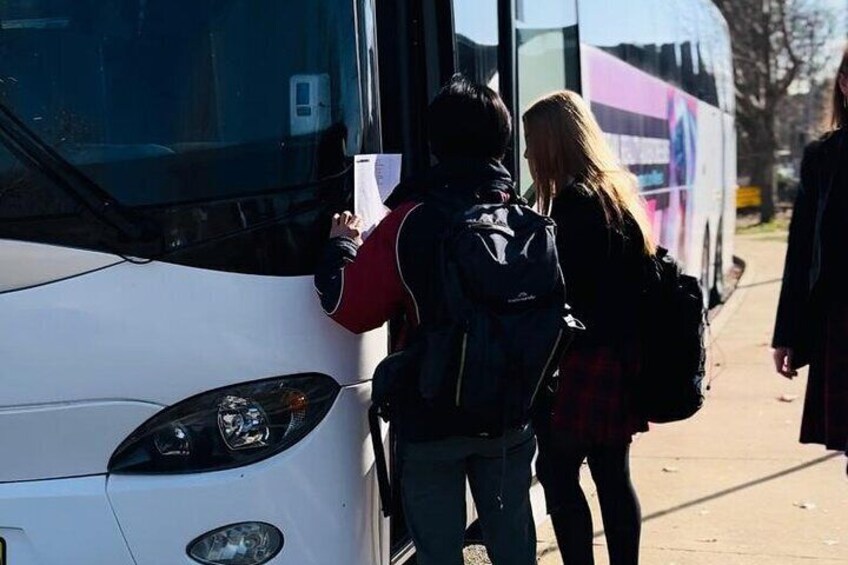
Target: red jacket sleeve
{"points": [[362, 288]]}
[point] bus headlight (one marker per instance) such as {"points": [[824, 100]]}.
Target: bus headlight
{"points": [[228, 427], [248, 543]]}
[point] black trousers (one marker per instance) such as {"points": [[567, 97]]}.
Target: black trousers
{"points": [[433, 479], [558, 469]]}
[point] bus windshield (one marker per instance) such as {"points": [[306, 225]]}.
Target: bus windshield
{"points": [[162, 102]]}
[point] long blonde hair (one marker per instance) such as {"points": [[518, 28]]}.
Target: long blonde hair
{"points": [[565, 142]]}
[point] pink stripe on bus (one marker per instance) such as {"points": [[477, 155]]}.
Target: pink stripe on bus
{"points": [[613, 82]]}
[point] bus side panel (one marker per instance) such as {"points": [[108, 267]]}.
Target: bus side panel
{"points": [[681, 150], [652, 127], [707, 192], [730, 187]]}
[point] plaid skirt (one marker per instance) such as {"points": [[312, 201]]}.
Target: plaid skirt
{"points": [[825, 419], [593, 404]]}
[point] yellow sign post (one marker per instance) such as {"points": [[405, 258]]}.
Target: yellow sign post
{"points": [[749, 197]]}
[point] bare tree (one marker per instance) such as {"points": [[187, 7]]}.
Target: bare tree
{"points": [[778, 45]]}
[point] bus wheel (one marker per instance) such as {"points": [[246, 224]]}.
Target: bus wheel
{"points": [[705, 267], [717, 291]]}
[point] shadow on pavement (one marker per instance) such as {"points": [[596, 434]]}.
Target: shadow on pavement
{"points": [[719, 494], [761, 283], [736, 488]]}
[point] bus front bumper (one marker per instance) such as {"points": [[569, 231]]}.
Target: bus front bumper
{"points": [[321, 494]]}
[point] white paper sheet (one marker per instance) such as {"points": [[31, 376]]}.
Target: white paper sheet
{"points": [[374, 179]]}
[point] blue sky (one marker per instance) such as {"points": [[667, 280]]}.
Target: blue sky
{"points": [[840, 8]]}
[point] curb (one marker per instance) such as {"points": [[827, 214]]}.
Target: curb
{"points": [[731, 306]]}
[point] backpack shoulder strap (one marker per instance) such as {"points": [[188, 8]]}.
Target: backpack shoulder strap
{"points": [[383, 483]]}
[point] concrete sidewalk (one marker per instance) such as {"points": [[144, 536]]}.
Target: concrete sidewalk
{"points": [[733, 485]]}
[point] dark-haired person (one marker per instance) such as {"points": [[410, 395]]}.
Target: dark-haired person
{"points": [[812, 316], [391, 275]]}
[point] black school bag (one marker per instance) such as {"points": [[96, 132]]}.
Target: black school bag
{"points": [[670, 383], [503, 324], [488, 355]]}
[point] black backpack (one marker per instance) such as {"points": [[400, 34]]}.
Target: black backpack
{"points": [[491, 352], [670, 383], [504, 324]]}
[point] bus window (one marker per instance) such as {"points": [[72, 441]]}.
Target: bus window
{"points": [[23, 195], [229, 125], [141, 92], [29, 203], [476, 35], [547, 58], [679, 42]]}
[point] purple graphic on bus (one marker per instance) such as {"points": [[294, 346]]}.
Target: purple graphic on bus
{"points": [[653, 128], [683, 131]]}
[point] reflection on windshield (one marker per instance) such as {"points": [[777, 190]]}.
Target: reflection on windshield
{"points": [[162, 101], [683, 42], [476, 34], [547, 59], [224, 127]]}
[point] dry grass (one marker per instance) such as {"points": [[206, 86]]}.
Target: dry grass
{"points": [[751, 225]]}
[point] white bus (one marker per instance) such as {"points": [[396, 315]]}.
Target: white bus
{"points": [[170, 390]]}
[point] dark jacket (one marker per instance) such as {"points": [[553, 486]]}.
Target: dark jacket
{"points": [[390, 278], [809, 265], [603, 268]]}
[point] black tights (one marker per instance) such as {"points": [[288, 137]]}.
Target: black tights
{"points": [[572, 520]]}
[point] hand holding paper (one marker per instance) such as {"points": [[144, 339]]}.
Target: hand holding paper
{"points": [[374, 179], [347, 225]]}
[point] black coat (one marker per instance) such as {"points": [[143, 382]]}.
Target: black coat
{"points": [[604, 268], [810, 265]]}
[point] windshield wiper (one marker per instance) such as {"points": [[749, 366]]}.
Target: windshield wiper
{"points": [[42, 159]]}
